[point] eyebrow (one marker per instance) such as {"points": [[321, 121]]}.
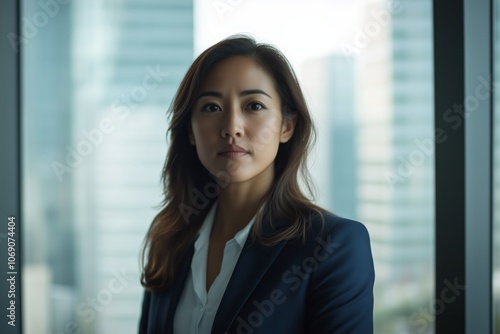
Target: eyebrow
{"points": [[243, 93]]}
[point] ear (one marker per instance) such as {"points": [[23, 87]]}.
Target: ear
{"points": [[287, 128]]}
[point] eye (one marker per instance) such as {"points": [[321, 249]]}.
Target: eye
{"points": [[210, 107], [256, 106]]}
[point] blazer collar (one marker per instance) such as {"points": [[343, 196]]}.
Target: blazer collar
{"points": [[254, 261], [173, 294]]}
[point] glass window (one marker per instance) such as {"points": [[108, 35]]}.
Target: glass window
{"points": [[98, 76]]}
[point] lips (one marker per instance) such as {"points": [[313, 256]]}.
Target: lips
{"points": [[232, 151]]}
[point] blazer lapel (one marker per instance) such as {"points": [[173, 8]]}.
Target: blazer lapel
{"points": [[169, 305], [254, 261]]}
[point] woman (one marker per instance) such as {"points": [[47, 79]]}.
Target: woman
{"points": [[237, 246]]}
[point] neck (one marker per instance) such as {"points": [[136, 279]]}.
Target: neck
{"points": [[238, 203]]}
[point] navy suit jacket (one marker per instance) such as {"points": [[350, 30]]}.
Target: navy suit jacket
{"points": [[322, 286]]}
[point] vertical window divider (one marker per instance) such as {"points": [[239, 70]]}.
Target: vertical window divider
{"points": [[449, 76], [478, 116]]}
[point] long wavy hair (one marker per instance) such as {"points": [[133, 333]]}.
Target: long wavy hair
{"points": [[189, 189]]}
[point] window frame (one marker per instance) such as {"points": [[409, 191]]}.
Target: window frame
{"points": [[479, 176], [10, 146], [463, 188]]}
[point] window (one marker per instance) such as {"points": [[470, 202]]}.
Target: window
{"points": [[98, 78]]}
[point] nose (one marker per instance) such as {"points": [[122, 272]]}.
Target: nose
{"points": [[233, 123]]}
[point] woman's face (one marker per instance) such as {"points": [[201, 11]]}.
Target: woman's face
{"points": [[236, 121]]}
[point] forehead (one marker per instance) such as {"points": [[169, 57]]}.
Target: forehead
{"points": [[238, 72]]}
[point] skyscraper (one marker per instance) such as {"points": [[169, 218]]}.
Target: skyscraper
{"points": [[100, 77], [394, 104], [374, 107], [329, 83], [143, 49]]}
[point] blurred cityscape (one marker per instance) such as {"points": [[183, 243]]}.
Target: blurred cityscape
{"points": [[98, 81], [375, 112]]}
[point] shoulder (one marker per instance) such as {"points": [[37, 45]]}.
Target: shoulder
{"points": [[338, 242], [340, 290], [342, 250], [337, 228]]}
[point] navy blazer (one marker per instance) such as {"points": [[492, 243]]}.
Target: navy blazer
{"points": [[322, 286]]}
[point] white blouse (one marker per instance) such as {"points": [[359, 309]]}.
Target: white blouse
{"points": [[196, 310]]}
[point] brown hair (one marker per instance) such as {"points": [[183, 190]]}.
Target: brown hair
{"points": [[189, 189]]}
